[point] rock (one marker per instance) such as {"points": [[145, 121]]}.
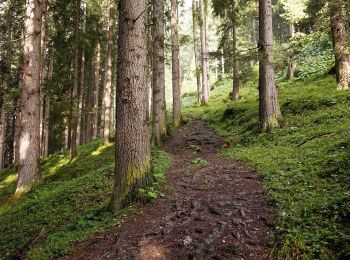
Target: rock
{"points": [[236, 235], [200, 218], [247, 234], [188, 240], [200, 230], [269, 240], [228, 214], [249, 221], [238, 221], [214, 211], [225, 204]]}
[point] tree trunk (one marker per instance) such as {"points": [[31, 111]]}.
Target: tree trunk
{"points": [[42, 69], [292, 69], [80, 113], [196, 48], [158, 75], [175, 47], [291, 30], [292, 66], [235, 90], [3, 126], [29, 141], [132, 134], [7, 58], [270, 113], [204, 53], [66, 135], [46, 132], [253, 34], [17, 132], [108, 76], [96, 93], [149, 74], [75, 98], [341, 50], [222, 62]]}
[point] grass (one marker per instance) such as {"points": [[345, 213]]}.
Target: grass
{"points": [[70, 204], [305, 164]]}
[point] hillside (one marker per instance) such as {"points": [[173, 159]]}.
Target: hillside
{"points": [[71, 204], [305, 164]]}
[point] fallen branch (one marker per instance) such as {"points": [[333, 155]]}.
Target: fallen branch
{"points": [[316, 137], [21, 252]]}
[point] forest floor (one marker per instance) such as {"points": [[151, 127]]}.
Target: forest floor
{"points": [[213, 208]]}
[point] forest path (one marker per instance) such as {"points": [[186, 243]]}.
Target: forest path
{"points": [[213, 211]]}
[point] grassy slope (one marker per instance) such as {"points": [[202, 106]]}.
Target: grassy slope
{"points": [[308, 183], [70, 205]]}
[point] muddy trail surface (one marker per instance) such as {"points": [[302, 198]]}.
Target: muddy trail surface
{"points": [[214, 208]]}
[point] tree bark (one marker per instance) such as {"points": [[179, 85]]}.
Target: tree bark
{"points": [[46, 132], [108, 75], [80, 112], [29, 142], [235, 90], [7, 58], [44, 7], [222, 62], [17, 132], [3, 126], [196, 48], [292, 69], [75, 98], [270, 113], [204, 53], [175, 47], [291, 30], [341, 50], [292, 66], [96, 112], [132, 132], [158, 75]]}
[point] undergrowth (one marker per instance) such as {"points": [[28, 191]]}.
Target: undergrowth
{"points": [[305, 164], [71, 204]]}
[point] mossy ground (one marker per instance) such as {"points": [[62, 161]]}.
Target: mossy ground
{"points": [[305, 164], [71, 203]]}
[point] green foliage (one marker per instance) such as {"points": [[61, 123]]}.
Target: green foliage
{"points": [[161, 162], [313, 54], [195, 149], [71, 204], [305, 164], [199, 162], [293, 10]]}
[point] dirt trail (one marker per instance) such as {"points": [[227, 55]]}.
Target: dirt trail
{"points": [[218, 211]]}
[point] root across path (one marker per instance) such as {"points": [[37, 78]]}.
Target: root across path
{"points": [[214, 208]]}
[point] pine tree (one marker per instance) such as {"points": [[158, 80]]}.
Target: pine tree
{"points": [[132, 134], [108, 75], [158, 75], [177, 117], [341, 50], [196, 48], [204, 53], [29, 140], [269, 109]]}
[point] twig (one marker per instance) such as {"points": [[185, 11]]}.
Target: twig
{"points": [[20, 253], [194, 188], [316, 137]]}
